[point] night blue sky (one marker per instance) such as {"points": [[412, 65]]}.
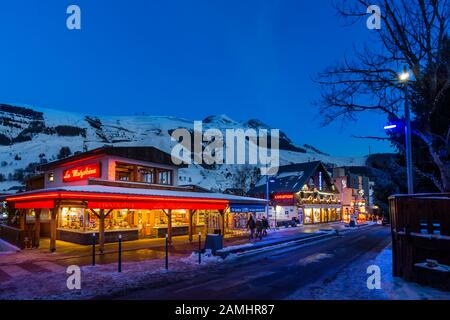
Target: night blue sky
{"points": [[186, 58]]}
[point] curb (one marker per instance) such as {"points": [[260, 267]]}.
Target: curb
{"points": [[275, 244]]}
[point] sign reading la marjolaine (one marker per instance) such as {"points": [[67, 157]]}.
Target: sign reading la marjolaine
{"points": [[82, 172]]}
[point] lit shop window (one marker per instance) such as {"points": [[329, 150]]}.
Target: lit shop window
{"points": [[120, 219], [51, 177], [308, 215], [72, 218], [316, 212]]}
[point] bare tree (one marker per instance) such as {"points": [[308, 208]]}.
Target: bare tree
{"points": [[414, 33]]}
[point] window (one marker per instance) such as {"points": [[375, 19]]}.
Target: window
{"points": [[164, 177], [123, 176], [51, 177], [147, 175]]}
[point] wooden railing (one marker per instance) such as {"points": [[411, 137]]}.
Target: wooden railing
{"points": [[13, 235], [420, 227]]}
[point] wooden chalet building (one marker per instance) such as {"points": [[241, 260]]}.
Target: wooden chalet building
{"points": [[131, 191], [304, 192]]}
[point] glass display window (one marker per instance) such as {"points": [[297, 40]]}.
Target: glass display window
{"points": [[72, 218], [316, 215], [308, 216], [120, 219]]}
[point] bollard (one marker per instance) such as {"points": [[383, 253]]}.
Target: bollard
{"points": [[120, 253], [167, 251], [93, 249], [199, 248]]}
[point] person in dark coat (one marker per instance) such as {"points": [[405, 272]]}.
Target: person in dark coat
{"points": [[259, 229], [251, 225], [265, 226]]}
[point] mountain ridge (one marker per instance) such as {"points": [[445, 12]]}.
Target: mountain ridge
{"points": [[32, 135]]}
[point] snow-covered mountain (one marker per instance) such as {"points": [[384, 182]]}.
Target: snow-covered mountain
{"points": [[31, 135]]}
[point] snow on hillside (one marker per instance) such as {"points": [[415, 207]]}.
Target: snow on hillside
{"points": [[36, 135]]}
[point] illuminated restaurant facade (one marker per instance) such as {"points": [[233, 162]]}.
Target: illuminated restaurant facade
{"points": [[131, 191], [303, 192]]}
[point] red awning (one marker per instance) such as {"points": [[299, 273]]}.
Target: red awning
{"points": [[154, 205], [35, 205]]}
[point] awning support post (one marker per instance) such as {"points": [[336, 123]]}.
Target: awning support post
{"points": [[37, 228], [101, 231], [191, 227], [222, 222], [169, 225], [53, 216], [22, 218]]}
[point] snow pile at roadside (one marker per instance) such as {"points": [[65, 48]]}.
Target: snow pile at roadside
{"points": [[206, 258], [351, 283]]}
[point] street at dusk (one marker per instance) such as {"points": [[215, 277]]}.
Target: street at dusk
{"points": [[305, 272], [215, 159]]}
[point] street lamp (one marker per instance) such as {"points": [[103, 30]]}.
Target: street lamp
{"points": [[267, 195], [404, 79]]}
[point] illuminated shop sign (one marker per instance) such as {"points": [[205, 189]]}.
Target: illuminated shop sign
{"points": [[241, 208], [284, 196], [82, 172]]}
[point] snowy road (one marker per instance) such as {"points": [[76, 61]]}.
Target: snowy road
{"points": [[293, 273]]}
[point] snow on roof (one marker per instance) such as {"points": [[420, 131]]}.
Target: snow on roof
{"points": [[148, 192]]}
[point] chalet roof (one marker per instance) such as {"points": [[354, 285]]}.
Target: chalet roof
{"points": [[290, 178], [148, 154]]}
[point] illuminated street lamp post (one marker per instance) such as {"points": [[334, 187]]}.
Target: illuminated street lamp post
{"points": [[404, 78]]}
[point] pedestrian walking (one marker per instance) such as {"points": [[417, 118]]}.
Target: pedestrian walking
{"points": [[259, 229], [265, 226], [251, 225]]}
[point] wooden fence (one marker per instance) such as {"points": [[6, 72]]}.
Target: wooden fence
{"points": [[420, 227]]}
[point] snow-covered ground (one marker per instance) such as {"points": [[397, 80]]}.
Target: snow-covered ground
{"points": [[99, 280], [351, 283]]}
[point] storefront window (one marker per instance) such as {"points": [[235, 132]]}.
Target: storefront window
{"points": [[325, 217], [79, 219], [308, 215], [333, 214], [72, 218], [316, 212], [119, 219]]}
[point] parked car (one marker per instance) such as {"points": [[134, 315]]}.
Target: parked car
{"points": [[385, 221], [288, 223]]}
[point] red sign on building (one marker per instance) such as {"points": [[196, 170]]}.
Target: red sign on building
{"points": [[283, 196], [82, 172]]}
